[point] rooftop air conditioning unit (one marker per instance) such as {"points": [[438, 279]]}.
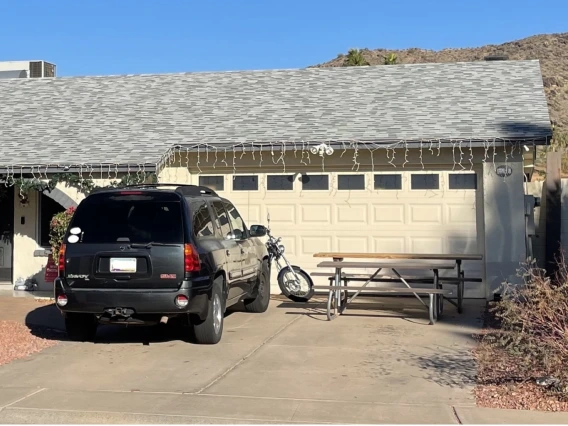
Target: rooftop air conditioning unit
{"points": [[40, 69]]}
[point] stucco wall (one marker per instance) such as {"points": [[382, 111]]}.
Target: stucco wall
{"points": [[504, 223]]}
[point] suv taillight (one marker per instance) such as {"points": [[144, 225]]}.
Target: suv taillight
{"points": [[191, 258], [61, 261]]}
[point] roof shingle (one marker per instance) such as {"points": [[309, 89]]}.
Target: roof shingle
{"points": [[135, 119]]}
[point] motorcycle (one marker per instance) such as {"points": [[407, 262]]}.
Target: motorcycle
{"points": [[295, 283]]}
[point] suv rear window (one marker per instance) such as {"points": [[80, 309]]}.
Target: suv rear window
{"points": [[141, 218]]}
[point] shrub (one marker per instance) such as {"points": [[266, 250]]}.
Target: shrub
{"points": [[57, 229], [534, 323]]}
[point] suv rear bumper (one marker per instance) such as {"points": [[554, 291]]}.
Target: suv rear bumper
{"points": [[143, 301]]}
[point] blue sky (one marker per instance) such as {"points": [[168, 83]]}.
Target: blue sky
{"points": [[102, 37]]}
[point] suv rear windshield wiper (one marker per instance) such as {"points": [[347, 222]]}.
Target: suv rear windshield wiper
{"points": [[150, 244]]}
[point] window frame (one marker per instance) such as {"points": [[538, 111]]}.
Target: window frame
{"points": [[363, 175], [211, 176], [437, 175], [450, 174], [234, 177], [397, 175], [316, 174], [292, 176]]}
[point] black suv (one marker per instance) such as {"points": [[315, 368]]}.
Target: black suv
{"points": [[143, 254]]}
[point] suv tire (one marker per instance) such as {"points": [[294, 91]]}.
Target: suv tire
{"points": [[81, 327], [210, 330], [262, 300]]}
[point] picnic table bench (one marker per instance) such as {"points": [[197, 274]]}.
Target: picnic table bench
{"points": [[338, 295]]}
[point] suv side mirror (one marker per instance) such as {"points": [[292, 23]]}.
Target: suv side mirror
{"points": [[257, 231]]}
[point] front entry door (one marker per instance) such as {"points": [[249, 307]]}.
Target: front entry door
{"points": [[6, 232]]}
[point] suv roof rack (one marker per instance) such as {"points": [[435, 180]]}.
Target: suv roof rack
{"points": [[183, 189]]}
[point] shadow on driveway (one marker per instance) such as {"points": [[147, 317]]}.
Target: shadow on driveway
{"points": [[47, 322]]}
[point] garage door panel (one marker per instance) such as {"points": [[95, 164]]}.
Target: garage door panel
{"points": [[460, 213], [426, 244], [315, 213], [354, 214], [425, 214], [352, 244], [314, 244], [466, 245], [389, 245], [282, 214], [388, 214]]}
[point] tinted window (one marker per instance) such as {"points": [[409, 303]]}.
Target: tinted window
{"points": [[280, 183], [463, 181], [245, 183], [393, 182], [348, 182], [143, 218], [425, 181], [236, 220], [202, 220], [216, 183], [315, 182], [222, 219]]}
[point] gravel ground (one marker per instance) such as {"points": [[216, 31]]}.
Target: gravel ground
{"points": [[17, 341], [500, 385]]}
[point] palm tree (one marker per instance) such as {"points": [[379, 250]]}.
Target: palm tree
{"points": [[390, 59], [355, 58]]}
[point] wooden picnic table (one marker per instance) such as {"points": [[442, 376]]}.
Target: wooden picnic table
{"points": [[458, 258], [337, 302]]}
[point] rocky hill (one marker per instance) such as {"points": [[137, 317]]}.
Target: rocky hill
{"points": [[550, 49]]}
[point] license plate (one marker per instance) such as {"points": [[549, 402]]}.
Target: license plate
{"points": [[122, 264]]}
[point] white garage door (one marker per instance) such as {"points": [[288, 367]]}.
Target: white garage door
{"points": [[397, 212]]}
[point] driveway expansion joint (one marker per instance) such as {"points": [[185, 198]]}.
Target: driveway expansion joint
{"points": [[247, 356]]}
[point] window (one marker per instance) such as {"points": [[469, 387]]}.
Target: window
{"points": [[106, 218], [47, 209], [425, 181], [280, 183], [245, 183], [216, 183], [350, 182], [222, 219], [462, 181], [391, 182], [315, 182], [236, 221], [202, 220]]}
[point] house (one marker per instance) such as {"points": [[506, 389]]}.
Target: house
{"points": [[403, 158]]}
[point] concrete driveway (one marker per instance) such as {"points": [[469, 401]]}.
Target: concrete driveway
{"points": [[379, 365]]}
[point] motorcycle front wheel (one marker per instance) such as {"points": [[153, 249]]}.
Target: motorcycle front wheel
{"points": [[301, 291]]}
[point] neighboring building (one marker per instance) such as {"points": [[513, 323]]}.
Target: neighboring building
{"points": [[27, 69], [426, 157]]}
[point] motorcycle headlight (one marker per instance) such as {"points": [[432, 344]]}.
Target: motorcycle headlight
{"points": [[281, 248]]}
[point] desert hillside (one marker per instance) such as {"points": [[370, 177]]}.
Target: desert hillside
{"points": [[550, 49]]}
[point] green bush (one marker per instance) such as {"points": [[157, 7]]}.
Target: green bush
{"points": [[57, 229]]}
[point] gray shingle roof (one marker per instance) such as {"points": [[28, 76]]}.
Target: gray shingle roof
{"points": [[136, 118]]}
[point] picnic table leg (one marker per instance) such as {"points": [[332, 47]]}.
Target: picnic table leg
{"points": [[407, 285], [431, 309], [461, 286], [331, 305], [439, 297]]}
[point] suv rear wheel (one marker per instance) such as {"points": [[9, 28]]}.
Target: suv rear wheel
{"points": [[260, 303], [210, 330], [81, 327]]}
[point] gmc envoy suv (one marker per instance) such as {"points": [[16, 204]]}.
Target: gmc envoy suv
{"points": [[144, 254]]}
